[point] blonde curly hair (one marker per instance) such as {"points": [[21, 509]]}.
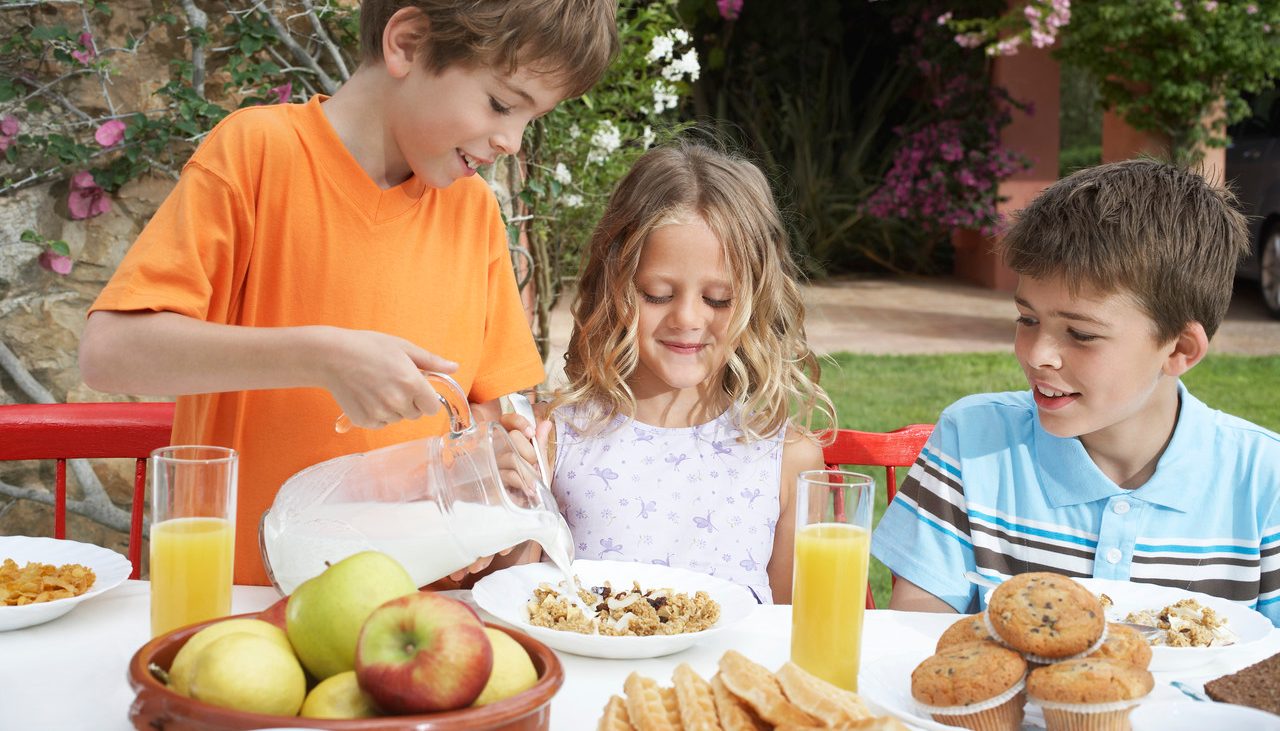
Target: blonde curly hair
{"points": [[772, 374]]}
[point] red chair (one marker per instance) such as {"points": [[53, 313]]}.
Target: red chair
{"points": [[890, 450], [88, 431]]}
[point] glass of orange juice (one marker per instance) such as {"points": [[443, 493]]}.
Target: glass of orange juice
{"points": [[193, 509], [829, 587]]}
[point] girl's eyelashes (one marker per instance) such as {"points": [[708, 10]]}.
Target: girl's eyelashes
{"points": [[1081, 337], [664, 299], [718, 304], [1026, 321], [654, 300], [498, 106]]}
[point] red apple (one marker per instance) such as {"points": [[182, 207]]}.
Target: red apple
{"points": [[423, 653], [274, 614]]}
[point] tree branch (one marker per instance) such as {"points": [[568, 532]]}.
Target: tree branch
{"points": [[196, 19], [300, 54], [326, 40]]}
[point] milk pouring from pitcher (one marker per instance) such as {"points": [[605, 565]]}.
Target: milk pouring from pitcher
{"points": [[435, 505]]}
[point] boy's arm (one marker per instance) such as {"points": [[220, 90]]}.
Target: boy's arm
{"points": [[374, 377], [799, 453], [910, 598]]}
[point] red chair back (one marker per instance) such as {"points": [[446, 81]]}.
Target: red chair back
{"points": [[88, 431], [890, 450]]}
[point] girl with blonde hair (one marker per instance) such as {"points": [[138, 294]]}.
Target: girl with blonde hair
{"points": [[691, 389]]}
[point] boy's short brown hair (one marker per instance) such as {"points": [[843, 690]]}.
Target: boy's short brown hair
{"points": [[1158, 232], [574, 40]]}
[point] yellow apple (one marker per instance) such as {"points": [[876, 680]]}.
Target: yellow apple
{"points": [[338, 696], [185, 661], [512, 673], [249, 673]]}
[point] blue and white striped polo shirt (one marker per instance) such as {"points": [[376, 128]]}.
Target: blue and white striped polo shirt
{"points": [[994, 492]]}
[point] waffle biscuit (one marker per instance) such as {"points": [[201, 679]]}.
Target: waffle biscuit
{"points": [[615, 717], [877, 723], [831, 705], [734, 714], [760, 689], [697, 706], [648, 707]]}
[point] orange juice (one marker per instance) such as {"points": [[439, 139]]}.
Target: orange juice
{"points": [[191, 562], [828, 598]]}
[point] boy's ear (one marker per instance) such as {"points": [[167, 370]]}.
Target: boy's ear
{"points": [[1189, 347], [402, 40]]}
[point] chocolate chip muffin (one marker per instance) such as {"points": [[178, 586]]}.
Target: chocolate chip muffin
{"points": [[1088, 694], [972, 628], [1047, 616], [975, 685], [1125, 644]]}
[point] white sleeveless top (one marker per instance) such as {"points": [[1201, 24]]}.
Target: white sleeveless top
{"points": [[690, 497]]}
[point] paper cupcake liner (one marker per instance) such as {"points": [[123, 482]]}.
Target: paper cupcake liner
{"points": [[1041, 659], [992, 702], [1076, 719], [1109, 707]]}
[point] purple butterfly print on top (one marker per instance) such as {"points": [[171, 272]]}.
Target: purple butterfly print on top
{"points": [[662, 495]]}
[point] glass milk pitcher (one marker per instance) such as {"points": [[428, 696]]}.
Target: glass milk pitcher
{"points": [[435, 504]]}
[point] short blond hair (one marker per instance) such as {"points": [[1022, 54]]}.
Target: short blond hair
{"points": [[573, 40], [771, 373], [1158, 232]]}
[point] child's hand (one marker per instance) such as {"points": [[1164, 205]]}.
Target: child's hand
{"points": [[526, 437], [377, 378]]}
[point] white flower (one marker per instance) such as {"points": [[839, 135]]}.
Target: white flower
{"points": [[572, 200], [680, 36], [562, 174], [686, 65], [662, 49], [606, 139], [575, 131], [664, 97], [647, 137]]}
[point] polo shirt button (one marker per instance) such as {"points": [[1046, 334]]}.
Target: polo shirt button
{"points": [[1114, 555], [1120, 507]]}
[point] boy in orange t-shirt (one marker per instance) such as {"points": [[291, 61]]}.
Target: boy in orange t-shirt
{"points": [[313, 258]]}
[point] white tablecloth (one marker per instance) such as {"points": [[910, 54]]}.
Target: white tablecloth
{"points": [[71, 673]]}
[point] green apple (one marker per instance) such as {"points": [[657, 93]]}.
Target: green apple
{"points": [[325, 613], [423, 653]]}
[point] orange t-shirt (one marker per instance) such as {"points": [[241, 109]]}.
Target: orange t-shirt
{"points": [[275, 224]]}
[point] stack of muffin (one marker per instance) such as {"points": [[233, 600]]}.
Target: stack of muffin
{"points": [[1085, 675]]}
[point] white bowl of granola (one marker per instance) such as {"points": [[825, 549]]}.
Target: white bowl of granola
{"points": [[673, 609]]}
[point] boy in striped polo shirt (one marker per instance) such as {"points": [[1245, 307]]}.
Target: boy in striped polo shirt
{"points": [[1107, 466]]}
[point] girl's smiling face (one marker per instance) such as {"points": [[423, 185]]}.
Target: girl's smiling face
{"points": [[685, 301], [1092, 360]]}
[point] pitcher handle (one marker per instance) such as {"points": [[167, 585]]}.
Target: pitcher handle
{"points": [[457, 425]]}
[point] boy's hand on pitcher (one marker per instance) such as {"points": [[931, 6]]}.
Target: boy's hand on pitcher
{"points": [[377, 378]]}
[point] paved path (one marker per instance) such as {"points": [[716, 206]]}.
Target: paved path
{"points": [[943, 315]]}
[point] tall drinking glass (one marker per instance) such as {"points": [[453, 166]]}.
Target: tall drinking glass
{"points": [[833, 546], [193, 510]]}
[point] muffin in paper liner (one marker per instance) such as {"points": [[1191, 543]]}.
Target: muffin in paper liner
{"points": [[1113, 716], [1040, 660], [1003, 712]]}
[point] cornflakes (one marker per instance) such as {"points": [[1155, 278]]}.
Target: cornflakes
{"points": [[42, 582]]}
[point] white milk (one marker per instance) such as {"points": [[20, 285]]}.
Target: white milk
{"points": [[415, 534]]}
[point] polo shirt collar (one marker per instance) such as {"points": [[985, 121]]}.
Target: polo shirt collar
{"points": [[1070, 477]]}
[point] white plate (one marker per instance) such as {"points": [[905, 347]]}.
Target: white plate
{"points": [[1197, 716], [886, 682], [109, 568], [1249, 625], [505, 594]]}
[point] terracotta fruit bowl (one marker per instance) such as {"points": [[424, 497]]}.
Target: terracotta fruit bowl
{"points": [[156, 708]]}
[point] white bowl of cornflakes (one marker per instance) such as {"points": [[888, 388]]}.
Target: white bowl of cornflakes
{"points": [[40, 581]]}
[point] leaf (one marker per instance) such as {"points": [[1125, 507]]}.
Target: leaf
{"points": [[60, 247]]}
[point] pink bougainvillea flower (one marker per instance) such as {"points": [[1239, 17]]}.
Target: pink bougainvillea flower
{"points": [[87, 198], [9, 126], [282, 93], [86, 52], [55, 262], [110, 133], [729, 9]]}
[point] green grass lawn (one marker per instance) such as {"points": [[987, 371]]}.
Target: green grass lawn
{"points": [[883, 392]]}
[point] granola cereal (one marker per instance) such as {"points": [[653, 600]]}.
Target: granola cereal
{"points": [[1186, 623], [625, 613]]}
